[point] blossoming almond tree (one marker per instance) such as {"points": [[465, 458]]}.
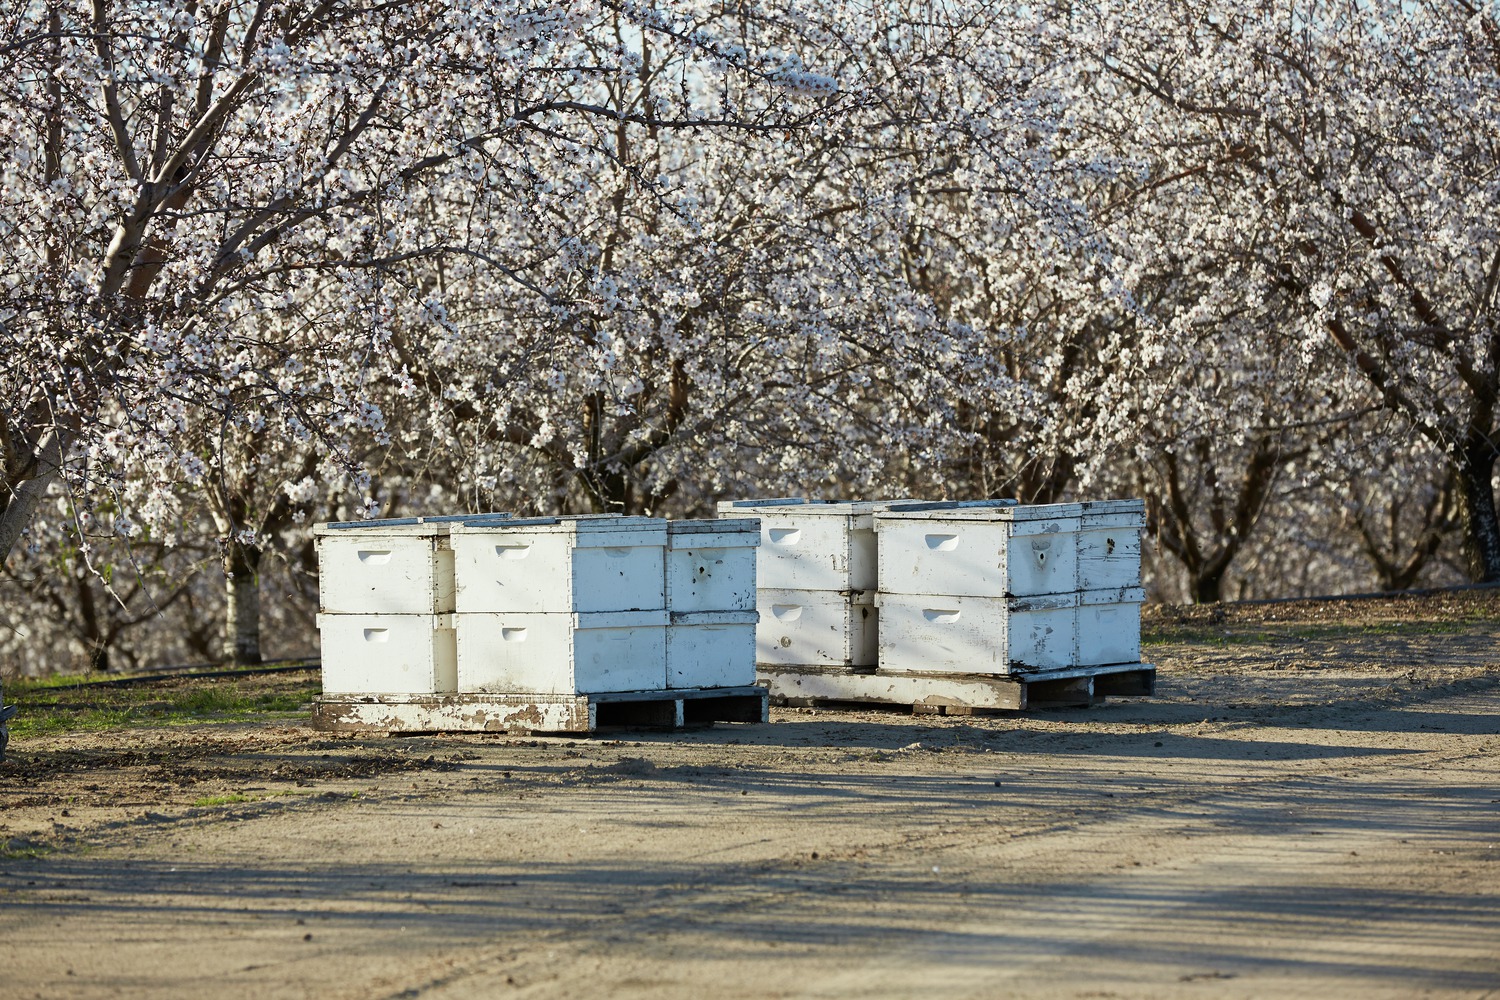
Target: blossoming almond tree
{"points": [[209, 212], [1337, 164]]}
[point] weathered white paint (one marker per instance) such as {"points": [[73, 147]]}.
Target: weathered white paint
{"points": [[455, 713], [964, 691], [816, 627], [711, 649], [1109, 626], [1109, 544], [518, 652], [388, 654], [395, 566], [559, 565], [538, 712], [711, 565], [980, 635]]}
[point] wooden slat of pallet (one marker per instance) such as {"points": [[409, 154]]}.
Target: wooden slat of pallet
{"points": [[959, 694], [539, 713]]}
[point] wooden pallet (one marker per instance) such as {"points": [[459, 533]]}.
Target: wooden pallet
{"points": [[539, 713], [958, 694]]}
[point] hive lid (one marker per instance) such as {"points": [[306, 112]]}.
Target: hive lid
{"points": [[804, 507], [606, 529], [1114, 507], [408, 525], [981, 510], [404, 522]]}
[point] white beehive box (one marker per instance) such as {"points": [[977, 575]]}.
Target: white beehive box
{"points": [[980, 549], [388, 654], [397, 566], [813, 544], [560, 565], [1109, 544], [711, 649], [815, 628], [1109, 626], [977, 635], [711, 565], [550, 653]]}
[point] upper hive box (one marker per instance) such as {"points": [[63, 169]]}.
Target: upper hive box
{"points": [[987, 548], [399, 566], [813, 544], [560, 565], [711, 565], [1109, 544]]}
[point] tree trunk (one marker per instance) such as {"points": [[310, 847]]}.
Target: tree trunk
{"points": [[1476, 470], [17, 509], [242, 590], [1208, 585]]}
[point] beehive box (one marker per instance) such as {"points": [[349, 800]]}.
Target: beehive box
{"points": [[560, 565], [813, 544], [1109, 626], [711, 649], [388, 654], [947, 634], [399, 566], [990, 549], [711, 565], [1109, 544], [815, 628], [520, 652]]}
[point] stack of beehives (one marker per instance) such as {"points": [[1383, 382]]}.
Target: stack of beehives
{"points": [[1007, 588], [495, 622], [976, 604], [817, 581], [386, 603], [711, 587]]}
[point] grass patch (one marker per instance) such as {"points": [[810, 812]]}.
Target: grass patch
{"points": [[1204, 635], [228, 799], [54, 705], [23, 849]]}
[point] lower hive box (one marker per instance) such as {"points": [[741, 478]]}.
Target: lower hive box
{"points": [[551, 652]]}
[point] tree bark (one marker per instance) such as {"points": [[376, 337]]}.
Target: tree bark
{"points": [[242, 591], [1476, 470]]}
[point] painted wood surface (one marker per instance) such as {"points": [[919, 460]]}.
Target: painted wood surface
{"points": [[388, 654], [373, 572], [711, 649], [973, 557], [711, 565], [522, 652], [560, 567], [816, 627]]}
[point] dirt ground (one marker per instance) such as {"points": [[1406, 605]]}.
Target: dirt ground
{"points": [[1309, 807]]}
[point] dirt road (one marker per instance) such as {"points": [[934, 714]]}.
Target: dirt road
{"points": [[1297, 814]]}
